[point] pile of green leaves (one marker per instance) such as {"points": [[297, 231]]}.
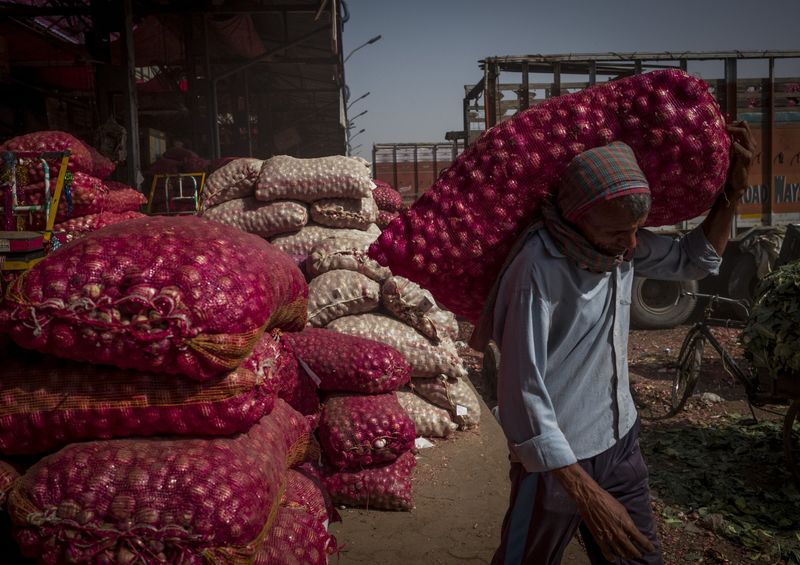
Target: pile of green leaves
{"points": [[771, 338], [729, 477]]}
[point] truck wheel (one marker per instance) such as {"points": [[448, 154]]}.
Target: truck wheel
{"points": [[659, 305]]}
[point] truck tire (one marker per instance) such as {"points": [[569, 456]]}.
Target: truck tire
{"points": [[657, 305]]}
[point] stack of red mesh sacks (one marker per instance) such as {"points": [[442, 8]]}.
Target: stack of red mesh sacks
{"points": [[455, 237], [165, 446], [88, 202], [389, 201], [366, 436]]}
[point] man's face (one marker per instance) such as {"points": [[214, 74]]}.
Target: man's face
{"points": [[610, 227]]}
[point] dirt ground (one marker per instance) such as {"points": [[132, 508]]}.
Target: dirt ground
{"points": [[728, 516]]}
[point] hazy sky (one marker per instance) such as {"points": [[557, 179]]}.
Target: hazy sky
{"points": [[430, 49]]}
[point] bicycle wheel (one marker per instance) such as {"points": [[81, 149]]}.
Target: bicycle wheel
{"points": [[689, 361], [791, 440]]}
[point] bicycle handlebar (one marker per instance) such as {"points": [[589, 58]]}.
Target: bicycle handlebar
{"points": [[741, 302]]}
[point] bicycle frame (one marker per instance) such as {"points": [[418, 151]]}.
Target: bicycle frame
{"points": [[749, 379], [744, 376]]}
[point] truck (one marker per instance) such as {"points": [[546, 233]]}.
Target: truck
{"points": [[760, 87]]}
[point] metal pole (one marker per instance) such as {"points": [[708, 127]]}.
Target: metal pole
{"points": [[490, 98], [731, 104], [416, 173], [730, 87], [556, 80], [247, 113], [769, 145], [592, 73], [212, 104], [374, 162], [132, 107], [525, 101], [435, 164], [394, 166], [466, 121]]}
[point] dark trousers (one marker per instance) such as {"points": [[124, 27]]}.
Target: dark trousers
{"points": [[542, 518]]}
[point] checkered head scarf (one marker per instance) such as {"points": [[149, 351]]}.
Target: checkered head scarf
{"points": [[594, 176]]}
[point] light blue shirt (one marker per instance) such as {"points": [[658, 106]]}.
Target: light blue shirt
{"points": [[563, 389]]}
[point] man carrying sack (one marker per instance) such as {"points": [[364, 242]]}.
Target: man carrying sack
{"points": [[560, 314]]}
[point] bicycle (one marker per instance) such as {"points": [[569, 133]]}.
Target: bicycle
{"points": [[760, 389]]}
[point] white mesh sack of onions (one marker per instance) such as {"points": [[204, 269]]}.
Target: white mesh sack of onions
{"points": [[415, 306], [382, 487], [456, 236], [340, 293], [345, 363], [78, 227], [454, 395], [429, 420], [362, 430], [265, 219], [178, 295], [345, 212], [427, 359], [302, 242], [158, 500], [46, 403], [274, 360], [299, 245], [40, 141], [288, 178], [234, 180], [348, 252]]}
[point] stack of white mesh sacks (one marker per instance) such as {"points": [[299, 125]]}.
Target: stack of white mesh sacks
{"points": [[321, 212], [293, 203]]}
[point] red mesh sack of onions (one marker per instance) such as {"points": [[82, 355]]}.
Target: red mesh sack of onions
{"points": [[274, 360], [297, 538], [362, 430], [385, 218], [125, 200], [76, 227], [176, 295], [348, 363], [455, 238], [89, 196], [39, 141], [387, 198], [383, 487], [102, 166], [8, 475], [158, 500], [46, 403], [304, 490]]}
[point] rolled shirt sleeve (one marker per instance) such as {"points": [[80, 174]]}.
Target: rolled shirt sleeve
{"points": [[525, 409], [665, 257]]}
